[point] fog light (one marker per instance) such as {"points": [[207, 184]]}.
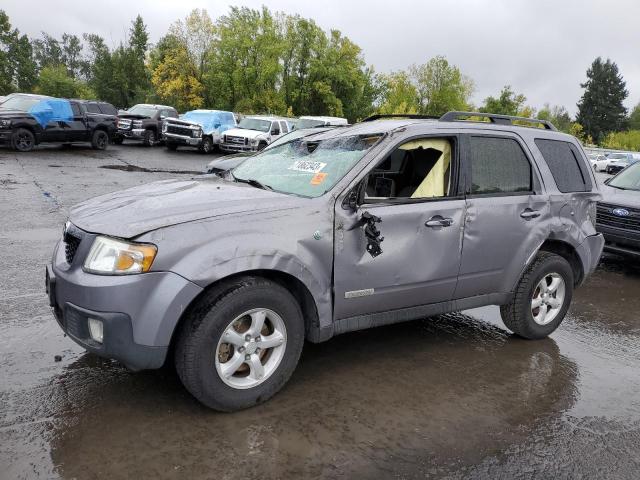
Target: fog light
{"points": [[95, 329]]}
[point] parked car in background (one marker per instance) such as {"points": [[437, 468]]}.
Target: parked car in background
{"points": [[601, 163], [143, 122], [224, 164], [310, 121], [618, 217], [594, 158], [198, 128], [620, 161], [28, 120], [358, 227], [254, 133]]}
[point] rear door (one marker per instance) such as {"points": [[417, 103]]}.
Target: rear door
{"points": [[507, 212], [76, 128]]}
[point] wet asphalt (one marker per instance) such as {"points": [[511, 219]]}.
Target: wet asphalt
{"points": [[449, 397]]}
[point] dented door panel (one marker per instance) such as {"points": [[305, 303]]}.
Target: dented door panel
{"points": [[418, 264]]}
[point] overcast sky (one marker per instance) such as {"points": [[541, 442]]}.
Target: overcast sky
{"points": [[540, 47]]}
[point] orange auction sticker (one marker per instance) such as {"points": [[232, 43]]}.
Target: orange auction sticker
{"points": [[318, 178]]}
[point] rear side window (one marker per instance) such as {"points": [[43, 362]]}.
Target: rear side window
{"points": [[498, 165], [566, 167], [92, 108], [75, 108]]}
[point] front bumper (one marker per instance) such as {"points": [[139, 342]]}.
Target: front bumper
{"points": [[182, 139], [132, 134], [620, 240], [5, 137], [139, 312]]}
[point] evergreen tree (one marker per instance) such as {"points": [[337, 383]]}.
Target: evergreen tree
{"points": [[600, 109]]}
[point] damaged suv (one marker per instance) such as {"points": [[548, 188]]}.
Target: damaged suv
{"points": [[381, 222]]}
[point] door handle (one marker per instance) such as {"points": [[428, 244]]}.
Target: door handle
{"points": [[438, 221], [528, 214]]}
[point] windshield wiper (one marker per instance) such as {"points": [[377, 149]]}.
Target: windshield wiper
{"points": [[252, 181]]}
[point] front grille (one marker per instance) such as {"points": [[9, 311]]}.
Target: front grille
{"points": [[236, 140], [76, 323], [178, 129], [606, 216]]}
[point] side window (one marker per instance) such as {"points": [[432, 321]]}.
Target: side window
{"points": [[107, 109], [275, 128], [418, 168], [284, 128], [75, 108], [566, 167], [498, 165], [93, 108]]}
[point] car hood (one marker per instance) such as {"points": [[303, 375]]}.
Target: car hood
{"points": [[623, 198], [245, 132], [133, 116], [132, 212]]}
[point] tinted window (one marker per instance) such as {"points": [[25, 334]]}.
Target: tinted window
{"points": [[108, 109], [75, 108], [498, 165], [283, 127], [566, 168], [92, 108]]}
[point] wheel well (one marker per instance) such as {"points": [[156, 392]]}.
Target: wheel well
{"points": [[567, 252], [26, 127], [299, 291]]}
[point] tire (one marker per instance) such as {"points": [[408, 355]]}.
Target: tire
{"points": [[262, 146], [171, 146], [99, 140], [521, 317], [23, 140], [206, 146], [201, 355], [149, 138], [118, 140]]}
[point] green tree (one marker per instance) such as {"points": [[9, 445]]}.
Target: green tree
{"points": [[557, 115], [54, 80], [47, 51], [507, 103], [399, 94], [601, 108], [7, 40], [634, 119], [441, 87]]}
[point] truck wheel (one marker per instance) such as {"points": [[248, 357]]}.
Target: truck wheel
{"points": [[240, 344], [542, 297], [149, 138], [262, 146], [207, 145], [23, 140], [99, 140]]}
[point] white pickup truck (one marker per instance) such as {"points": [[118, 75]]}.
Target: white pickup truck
{"points": [[254, 133]]}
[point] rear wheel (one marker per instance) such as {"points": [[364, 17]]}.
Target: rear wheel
{"points": [[542, 297], [149, 138], [23, 140], [240, 344], [99, 140]]}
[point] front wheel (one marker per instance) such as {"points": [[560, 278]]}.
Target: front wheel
{"points": [[207, 145], [240, 344], [23, 140], [542, 297], [99, 140], [149, 138]]}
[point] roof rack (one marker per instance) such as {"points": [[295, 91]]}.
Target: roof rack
{"points": [[496, 118], [382, 116]]}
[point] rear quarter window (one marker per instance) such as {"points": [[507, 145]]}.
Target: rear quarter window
{"points": [[92, 108], [107, 109], [566, 165]]}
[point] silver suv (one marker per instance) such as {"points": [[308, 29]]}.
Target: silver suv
{"points": [[385, 221]]}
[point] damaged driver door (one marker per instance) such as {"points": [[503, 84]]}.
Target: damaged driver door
{"points": [[400, 250]]}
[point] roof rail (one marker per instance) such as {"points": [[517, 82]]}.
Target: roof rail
{"points": [[496, 118], [381, 116]]}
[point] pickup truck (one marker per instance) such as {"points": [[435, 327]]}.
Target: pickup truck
{"points": [[198, 128], [143, 122], [254, 134], [28, 120]]}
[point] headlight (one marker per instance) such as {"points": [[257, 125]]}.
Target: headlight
{"points": [[115, 257], [164, 127], [5, 123], [254, 141], [197, 133]]}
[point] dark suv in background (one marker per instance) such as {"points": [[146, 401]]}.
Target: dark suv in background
{"points": [[28, 120], [143, 122]]}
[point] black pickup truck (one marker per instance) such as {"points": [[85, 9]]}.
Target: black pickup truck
{"points": [[143, 122], [27, 120]]}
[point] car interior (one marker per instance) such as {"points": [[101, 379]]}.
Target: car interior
{"points": [[416, 169]]}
